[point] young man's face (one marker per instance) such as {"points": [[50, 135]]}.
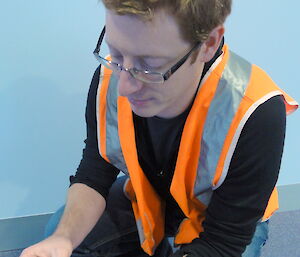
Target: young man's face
{"points": [[154, 46]]}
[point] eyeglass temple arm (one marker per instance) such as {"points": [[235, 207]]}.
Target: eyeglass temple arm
{"points": [[181, 61], [97, 49]]}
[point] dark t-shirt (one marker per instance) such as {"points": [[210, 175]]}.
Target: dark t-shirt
{"points": [[236, 206]]}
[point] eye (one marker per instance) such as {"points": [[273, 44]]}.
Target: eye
{"points": [[116, 58], [152, 64], [115, 55]]}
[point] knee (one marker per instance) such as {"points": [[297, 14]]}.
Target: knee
{"points": [[53, 222]]}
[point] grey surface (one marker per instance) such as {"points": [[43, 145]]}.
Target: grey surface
{"points": [[289, 197], [17, 233], [284, 237]]}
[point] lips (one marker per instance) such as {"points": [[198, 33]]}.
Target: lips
{"points": [[139, 102]]}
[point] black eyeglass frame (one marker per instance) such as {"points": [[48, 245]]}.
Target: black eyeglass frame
{"points": [[166, 75]]}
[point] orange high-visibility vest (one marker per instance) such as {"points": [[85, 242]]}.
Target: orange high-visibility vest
{"points": [[228, 95]]}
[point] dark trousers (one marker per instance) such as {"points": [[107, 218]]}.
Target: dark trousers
{"points": [[115, 234]]}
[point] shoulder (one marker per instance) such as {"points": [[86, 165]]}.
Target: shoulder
{"points": [[268, 116]]}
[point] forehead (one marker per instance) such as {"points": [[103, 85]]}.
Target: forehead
{"points": [[133, 36]]}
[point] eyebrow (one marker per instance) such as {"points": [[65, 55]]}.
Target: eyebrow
{"points": [[142, 56]]}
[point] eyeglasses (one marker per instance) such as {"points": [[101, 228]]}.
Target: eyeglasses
{"points": [[145, 76]]}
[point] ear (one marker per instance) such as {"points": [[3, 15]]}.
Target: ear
{"points": [[211, 45]]}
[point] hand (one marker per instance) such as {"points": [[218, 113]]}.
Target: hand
{"points": [[53, 246]]}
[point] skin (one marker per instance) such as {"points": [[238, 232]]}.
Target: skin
{"points": [[130, 37], [74, 226]]}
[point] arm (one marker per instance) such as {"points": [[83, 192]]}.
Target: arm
{"points": [[86, 195], [80, 199], [239, 203], [74, 226]]}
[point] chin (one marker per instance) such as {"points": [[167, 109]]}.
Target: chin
{"points": [[144, 112]]}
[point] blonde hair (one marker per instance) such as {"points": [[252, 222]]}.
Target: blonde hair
{"points": [[196, 18]]}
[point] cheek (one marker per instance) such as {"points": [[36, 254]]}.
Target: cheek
{"points": [[175, 87], [163, 95], [170, 91], [156, 92]]}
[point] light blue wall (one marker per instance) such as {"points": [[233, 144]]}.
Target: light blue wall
{"points": [[46, 64], [267, 33]]}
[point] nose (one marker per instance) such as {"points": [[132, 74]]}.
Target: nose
{"points": [[127, 84]]}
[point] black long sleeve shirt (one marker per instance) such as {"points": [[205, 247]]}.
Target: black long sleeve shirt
{"points": [[236, 206]]}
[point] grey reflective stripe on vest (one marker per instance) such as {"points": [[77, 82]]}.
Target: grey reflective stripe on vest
{"points": [[113, 146], [222, 110], [140, 229]]}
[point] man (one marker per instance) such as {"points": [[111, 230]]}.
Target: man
{"points": [[197, 129]]}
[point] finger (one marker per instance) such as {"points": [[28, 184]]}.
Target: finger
{"points": [[28, 253]]}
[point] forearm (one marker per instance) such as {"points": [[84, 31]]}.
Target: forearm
{"points": [[83, 209], [91, 184]]}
